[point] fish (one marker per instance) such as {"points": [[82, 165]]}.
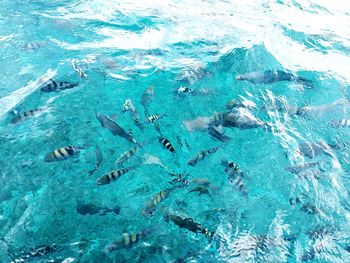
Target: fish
{"points": [[241, 118], [237, 181], [272, 76], [218, 118], [92, 209], [189, 224], [312, 149], [62, 153], [99, 160], [151, 204], [310, 209], [344, 123], [127, 155], [201, 155], [166, 143], [157, 128], [23, 116], [34, 45], [294, 200], [179, 141], [200, 189], [126, 241], [114, 175], [187, 145], [147, 97], [200, 123], [215, 132], [151, 159], [300, 168], [235, 176], [180, 179], [230, 166], [113, 127], [137, 122], [78, 69], [231, 104], [128, 106], [183, 89], [154, 117], [56, 86], [29, 255]]}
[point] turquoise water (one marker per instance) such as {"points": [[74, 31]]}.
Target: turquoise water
{"points": [[268, 211]]}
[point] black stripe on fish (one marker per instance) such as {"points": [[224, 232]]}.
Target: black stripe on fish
{"points": [[108, 179], [126, 241], [166, 143], [70, 150], [62, 153], [179, 141], [201, 155]]}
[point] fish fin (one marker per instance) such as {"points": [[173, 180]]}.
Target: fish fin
{"points": [[91, 172], [14, 112], [113, 117], [84, 146]]}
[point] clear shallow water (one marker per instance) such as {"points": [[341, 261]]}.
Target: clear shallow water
{"points": [[124, 48]]}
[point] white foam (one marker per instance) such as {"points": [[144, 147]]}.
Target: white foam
{"points": [[227, 24]]}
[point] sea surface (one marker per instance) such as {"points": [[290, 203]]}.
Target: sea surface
{"points": [[247, 156]]}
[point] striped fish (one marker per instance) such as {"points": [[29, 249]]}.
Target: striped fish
{"points": [[36, 253], [137, 122], [56, 86], [230, 166], [218, 118], [35, 45], [128, 106], [201, 155], [99, 159], [344, 123], [180, 180], [114, 175], [189, 224], [147, 97], [216, 133], [165, 142], [62, 153], [78, 69], [23, 116], [128, 154], [179, 142], [235, 176], [236, 180], [187, 145], [183, 89], [151, 204], [157, 128], [126, 241], [154, 117]]}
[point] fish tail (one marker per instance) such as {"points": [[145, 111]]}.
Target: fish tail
{"points": [[91, 172], [133, 167], [305, 82], [84, 146]]}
